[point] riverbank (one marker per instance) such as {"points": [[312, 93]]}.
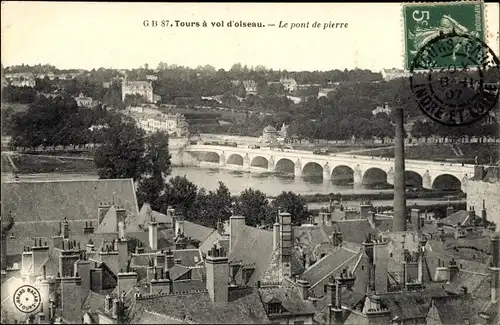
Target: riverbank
{"points": [[364, 195]]}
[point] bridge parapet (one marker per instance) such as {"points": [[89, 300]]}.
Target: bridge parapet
{"points": [[258, 158]]}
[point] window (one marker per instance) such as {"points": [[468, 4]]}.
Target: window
{"points": [[299, 322], [274, 308], [325, 288]]}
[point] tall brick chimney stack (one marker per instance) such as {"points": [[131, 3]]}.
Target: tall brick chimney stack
{"points": [[399, 218], [495, 268]]}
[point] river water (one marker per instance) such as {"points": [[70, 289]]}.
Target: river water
{"points": [[271, 185]]}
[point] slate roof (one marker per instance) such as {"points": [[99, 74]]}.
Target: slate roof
{"points": [[310, 237], [338, 259], [456, 310], [196, 231], [148, 317], [471, 280], [188, 257], [411, 304], [244, 306], [140, 222], [75, 199], [457, 217], [254, 246], [273, 272], [353, 230], [290, 298], [471, 266]]}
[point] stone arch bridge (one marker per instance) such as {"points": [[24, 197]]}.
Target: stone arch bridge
{"points": [[356, 169]]}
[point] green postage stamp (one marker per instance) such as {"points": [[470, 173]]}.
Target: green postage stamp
{"points": [[425, 21]]}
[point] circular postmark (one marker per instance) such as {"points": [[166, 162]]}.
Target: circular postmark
{"points": [[458, 84], [27, 299]]}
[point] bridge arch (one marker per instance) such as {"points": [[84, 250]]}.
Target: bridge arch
{"points": [[413, 179], [373, 176], [212, 157], [235, 159], [285, 165], [259, 161], [342, 174], [312, 169], [446, 182]]}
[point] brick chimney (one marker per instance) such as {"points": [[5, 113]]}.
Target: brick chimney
{"points": [[122, 246], [82, 267], [67, 259], [304, 288], [369, 248], [381, 264], [121, 216], [65, 228], [169, 260], [453, 270], [495, 267], [96, 279], [40, 254], [179, 225], [399, 218], [472, 216], [236, 223], [45, 293], [89, 228], [161, 283], [335, 305], [153, 234], [442, 273], [286, 243], [276, 235], [217, 274], [127, 279]]}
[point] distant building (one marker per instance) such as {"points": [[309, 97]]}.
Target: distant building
{"points": [[269, 134], [142, 88], [84, 101], [21, 79], [389, 74], [323, 92], [173, 124], [106, 84], [290, 85], [284, 130], [250, 86], [151, 77], [384, 109]]}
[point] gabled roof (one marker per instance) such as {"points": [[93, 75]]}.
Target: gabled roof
{"points": [[254, 246], [455, 218], [140, 222], [53, 200], [337, 260], [196, 231]]}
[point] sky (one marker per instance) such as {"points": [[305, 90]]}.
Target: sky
{"points": [[86, 35]]}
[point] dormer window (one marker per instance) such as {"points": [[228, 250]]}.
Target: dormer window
{"points": [[274, 308]]}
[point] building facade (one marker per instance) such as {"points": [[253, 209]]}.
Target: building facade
{"points": [[142, 88], [173, 124]]}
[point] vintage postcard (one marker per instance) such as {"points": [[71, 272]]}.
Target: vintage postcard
{"points": [[250, 163]]}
